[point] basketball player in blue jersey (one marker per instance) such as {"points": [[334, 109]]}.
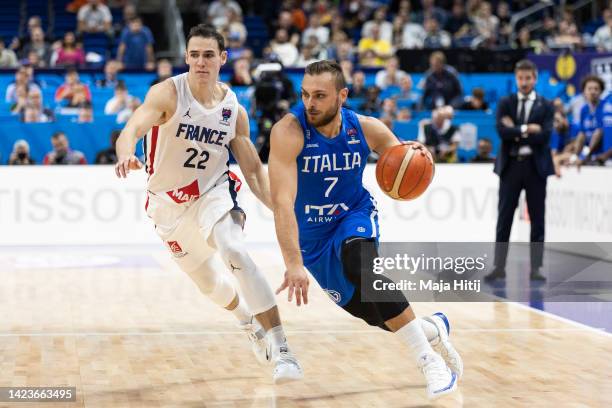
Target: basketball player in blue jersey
{"points": [[589, 140], [327, 221]]}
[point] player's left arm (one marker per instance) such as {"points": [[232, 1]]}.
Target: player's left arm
{"points": [[377, 134], [244, 151]]}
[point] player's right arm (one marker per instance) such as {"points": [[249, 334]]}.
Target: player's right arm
{"points": [[159, 105], [286, 142]]}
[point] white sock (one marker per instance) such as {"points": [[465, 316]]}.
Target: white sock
{"points": [[430, 330], [276, 338], [413, 335], [241, 313]]}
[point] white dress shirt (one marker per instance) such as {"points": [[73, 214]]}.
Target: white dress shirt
{"points": [[529, 101]]}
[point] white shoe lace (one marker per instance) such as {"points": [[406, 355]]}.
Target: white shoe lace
{"points": [[434, 371], [285, 356]]}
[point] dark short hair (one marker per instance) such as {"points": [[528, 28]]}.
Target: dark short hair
{"points": [[592, 78], [57, 134], [525, 65], [207, 31], [321, 67], [478, 93]]}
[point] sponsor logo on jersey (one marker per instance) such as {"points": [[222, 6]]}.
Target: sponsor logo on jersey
{"points": [[200, 134], [311, 145], [176, 249], [331, 162], [236, 180], [360, 229], [226, 113], [334, 295], [307, 133], [185, 194], [325, 212], [187, 113], [352, 133]]}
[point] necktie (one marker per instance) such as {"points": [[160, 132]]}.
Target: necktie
{"points": [[521, 115]]}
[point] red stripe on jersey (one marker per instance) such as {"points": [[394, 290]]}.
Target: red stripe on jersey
{"points": [[153, 147]]}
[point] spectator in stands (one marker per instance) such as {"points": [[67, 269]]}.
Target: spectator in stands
{"points": [[70, 53], [483, 155], [111, 69], [285, 21], [109, 156], [485, 22], [94, 17], [381, 49], [442, 86], [589, 139], [459, 24], [217, 11], [358, 88], [38, 45], [429, 10], [315, 29], [20, 154], [413, 34], [307, 56], [356, 13], [8, 59], [33, 114], [86, 114], [19, 42], [372, 104], [22, 79], [124, 114], [524, 41], [235, 25], [389, 108], [136, 46], [404, 115], [61, 153], [440, 136], [285, 50], [567, 36], [235, 47], [35, 100], [385, 28], [434, 37], [406, 93], [242, 73], [164, 71], [347, 71], [21, 93], [391, 75], [474, 102], [119, 101], [505, 28], [73, 93], [603, 36]]}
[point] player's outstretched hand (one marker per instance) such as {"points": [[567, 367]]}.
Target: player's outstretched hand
{"points": [[296, 279], [125, 164]]}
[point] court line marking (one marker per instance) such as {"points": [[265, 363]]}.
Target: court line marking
{"points": [[574, 323], [225, 332]]}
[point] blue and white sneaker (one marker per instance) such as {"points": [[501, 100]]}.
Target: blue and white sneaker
{"points": [[440, 379], [442, 344]]}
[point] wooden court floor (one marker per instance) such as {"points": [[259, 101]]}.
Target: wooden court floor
{"points": [[128, 329]]}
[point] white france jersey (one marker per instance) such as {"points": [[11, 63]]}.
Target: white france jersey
{"points": [[189, 154]]}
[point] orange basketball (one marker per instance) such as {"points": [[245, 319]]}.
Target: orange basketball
{"points": [[404, 171]]}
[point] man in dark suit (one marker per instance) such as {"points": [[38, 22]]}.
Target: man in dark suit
{"points": [[524, 124]]}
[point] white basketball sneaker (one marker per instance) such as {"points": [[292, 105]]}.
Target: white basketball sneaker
{"points": [[286, 367], [440, 379], [257, 337], [442, 344]]}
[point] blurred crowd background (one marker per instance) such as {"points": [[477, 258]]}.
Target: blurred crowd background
{"points": [[432, 70]]}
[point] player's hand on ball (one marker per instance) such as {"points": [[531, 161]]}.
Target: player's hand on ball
{"points": [[125, 164], [296, 279]]}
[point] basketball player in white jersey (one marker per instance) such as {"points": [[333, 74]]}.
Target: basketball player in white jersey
{"points": [[192, 121]]}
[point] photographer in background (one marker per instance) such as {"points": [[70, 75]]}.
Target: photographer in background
{"points": [[274, 95], [20, 154]]}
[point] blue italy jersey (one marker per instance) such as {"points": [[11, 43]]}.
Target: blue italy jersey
{"points": [[607, 122], [330, 172], [591, 120]]}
